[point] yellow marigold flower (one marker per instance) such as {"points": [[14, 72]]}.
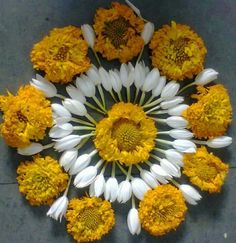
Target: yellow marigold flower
{"points": [[26, 116], [177, 51], [126, 135], [162, 210], [89, 218], [61, 55], [118, 32], [212, 114], [205, 170], [41, 180]]}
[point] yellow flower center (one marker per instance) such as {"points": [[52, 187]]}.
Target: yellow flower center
{"points": [[179, 55], [62, 53], [115, 30], [127, 134], [91, 218], [21, 117]]}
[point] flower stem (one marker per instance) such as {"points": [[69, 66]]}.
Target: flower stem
{"points": [[159, 112], [122, 169], [103, 168], [142, 98], [153, 109], [136, 95], [83, 128], [160, 150], [155, 157], [155, 102], [113, 171], [120, 96], [113, 96], [139, 167], [47, 146], [94, 108], [67, 188], [91, 119], [97, 58], [93, 152], [140, 55], [164, 141], [100, 90], [185, 87], [133, 201], [129, 172], [128, 93], [149, 100], [82, 143], [199, 142], [60, 96], [99, 104], [175, 183], [159, 120], [82, 122], [99, 163]]}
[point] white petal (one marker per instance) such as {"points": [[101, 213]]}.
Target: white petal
{"points": [[219, 142], [60, 110], [169, 168], [88, 34], [115, 81], [133, 221], [172, 102], [180, 134], [85, 177], [75, 107], [157, 170], [33, 148], [139, 75], [44, 85], [93, 75], [62, 130], [177, 110], [111, 189], [75, 93], [58, 208], [206, 76], [124, 192], [124, 72], [149, 178], [81, 163], [174, 157], [135, 9], [99, 185], [151, 80], [139, 188], [61, 120], [68, 157], [190, 194], [147, 32], [170, 90], [86, 86], [105, 79], [176, 122], [159, 87], [184, 146], [67, 142]]}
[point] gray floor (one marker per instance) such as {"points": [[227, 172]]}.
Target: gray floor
{"points": [[23, 22]]}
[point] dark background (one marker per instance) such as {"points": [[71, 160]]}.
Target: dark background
{"points": [[24, 22]]}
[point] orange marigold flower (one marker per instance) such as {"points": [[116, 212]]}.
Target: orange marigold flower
{"points": [[89, 218], [26, 116], [126, 135], [177, 51], [61, 55], [41, 180], [205, 170], [212, 114], [162, 210], [118, 32]]}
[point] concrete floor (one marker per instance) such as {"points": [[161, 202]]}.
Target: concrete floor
{"points": [[24, 22]]}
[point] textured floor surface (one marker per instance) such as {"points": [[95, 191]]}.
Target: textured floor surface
{"points": [[23, 22]]}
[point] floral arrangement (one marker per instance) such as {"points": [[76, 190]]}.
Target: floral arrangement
{"points": [[135, 118]]}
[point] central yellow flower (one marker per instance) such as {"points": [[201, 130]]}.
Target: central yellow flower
{"points": [[127, 135]]}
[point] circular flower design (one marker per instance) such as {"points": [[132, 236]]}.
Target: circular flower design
{"points": [[135, 119], [61, 55]]}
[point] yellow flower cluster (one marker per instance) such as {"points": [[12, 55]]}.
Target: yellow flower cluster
{"points": [[205, 170], [177, 51], [126, 135], [118, 32], [212, 114], [41, 180], [26, 116], [61, 55], [162, 210], [89, 218]]}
